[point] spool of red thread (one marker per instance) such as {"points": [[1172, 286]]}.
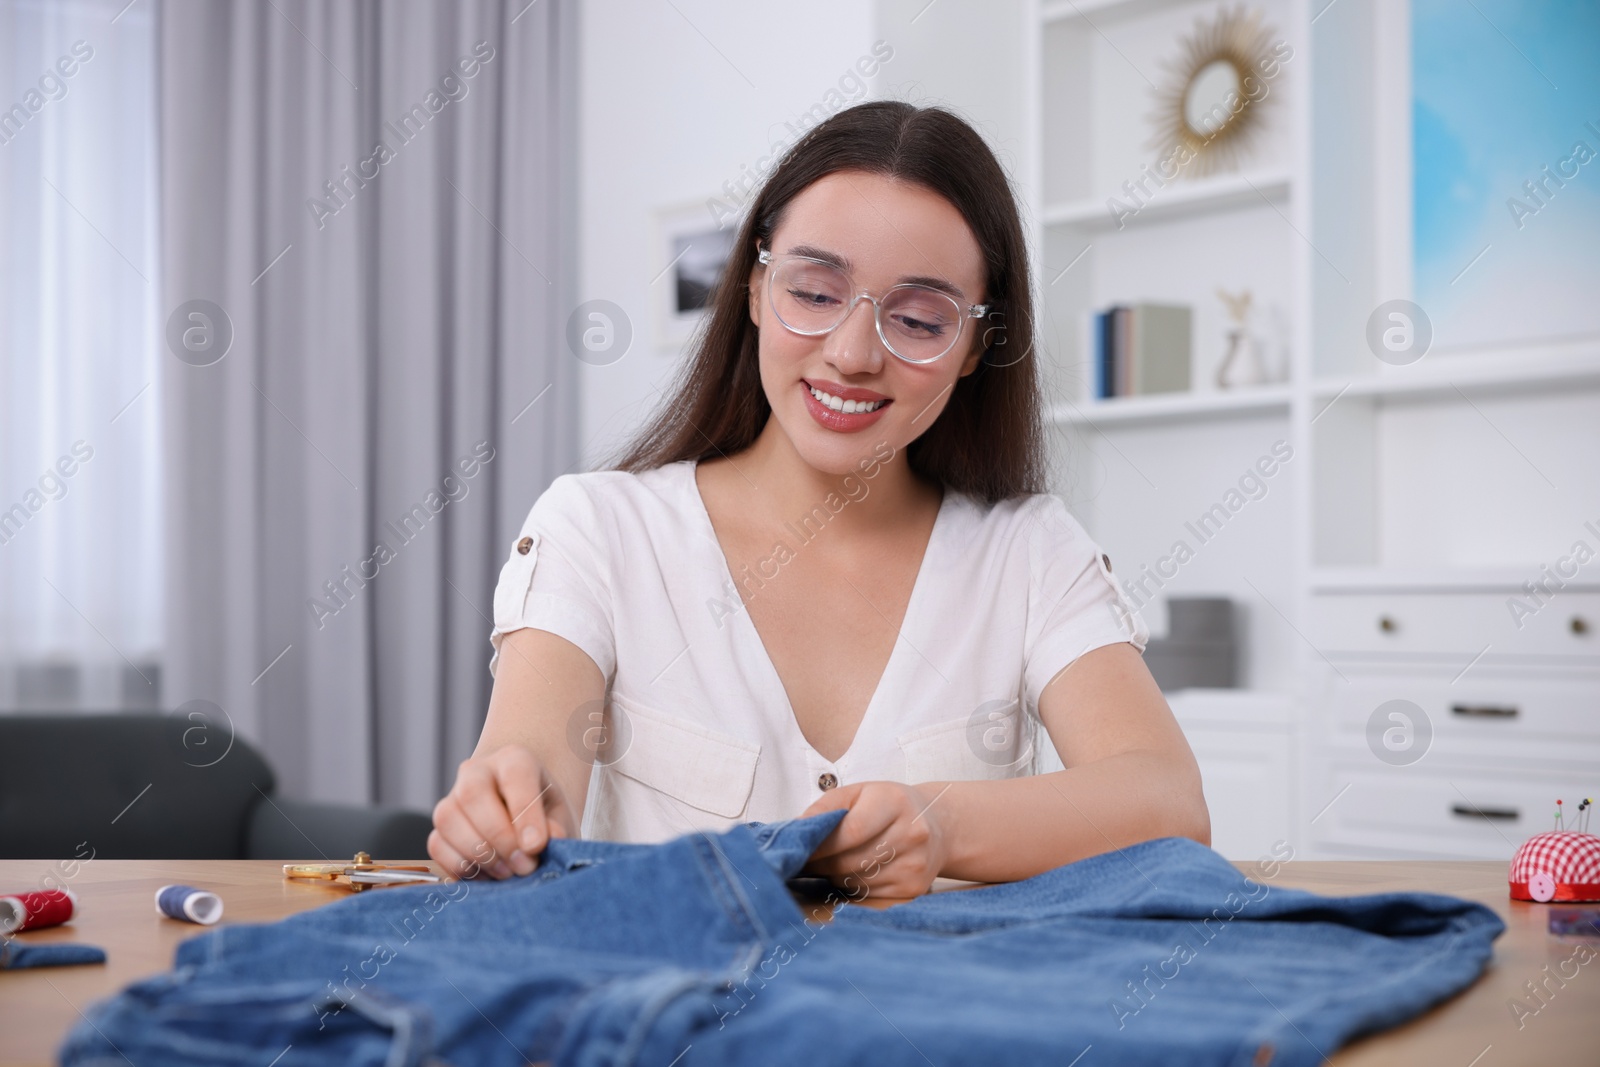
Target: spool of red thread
{"points": [[30, 911]]}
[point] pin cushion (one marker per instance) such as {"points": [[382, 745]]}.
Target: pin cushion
{"points": [[1559, 865]]}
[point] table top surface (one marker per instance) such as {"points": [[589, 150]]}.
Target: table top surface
{"points": [[1475, 1029]]}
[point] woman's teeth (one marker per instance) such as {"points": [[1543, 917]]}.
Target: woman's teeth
{"points": [[846, 407]]}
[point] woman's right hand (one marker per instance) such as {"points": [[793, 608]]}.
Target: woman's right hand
{"points": [[498, 816]]}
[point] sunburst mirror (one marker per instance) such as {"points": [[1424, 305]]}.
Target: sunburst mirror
{"points": [[1210, 109]]}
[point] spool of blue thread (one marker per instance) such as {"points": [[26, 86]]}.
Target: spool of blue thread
{"points": [[188, 904]]}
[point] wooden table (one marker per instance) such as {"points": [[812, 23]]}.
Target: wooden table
{"points": [[1476, 1029]]}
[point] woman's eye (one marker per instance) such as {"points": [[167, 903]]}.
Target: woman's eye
{"points": [[811, 299], [919, 327]]}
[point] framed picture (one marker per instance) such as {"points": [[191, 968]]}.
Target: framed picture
{"points": [[1505, 217], [691, 252]]}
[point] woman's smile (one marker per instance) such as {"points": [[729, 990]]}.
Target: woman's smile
{"points": [[842, 408]]}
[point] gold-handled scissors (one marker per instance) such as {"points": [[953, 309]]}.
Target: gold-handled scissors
{"points": [[361, 873]]}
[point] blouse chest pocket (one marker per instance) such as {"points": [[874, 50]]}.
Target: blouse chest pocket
{"points": [[703, 768], [995, 741]]}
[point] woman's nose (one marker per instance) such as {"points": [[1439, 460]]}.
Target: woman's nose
{"points": [[854, 346]]}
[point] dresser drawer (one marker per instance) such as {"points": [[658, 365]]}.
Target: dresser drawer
{"points": [[1481, 813], [1487, 716], [1455, 623]]}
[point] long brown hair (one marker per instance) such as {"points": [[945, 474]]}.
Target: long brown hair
{"points": [[988, 441]]}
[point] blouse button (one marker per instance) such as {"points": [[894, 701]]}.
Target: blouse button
{"points": [[827, 781], [524, 545]]}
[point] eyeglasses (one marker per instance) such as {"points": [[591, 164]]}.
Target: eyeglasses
{"points": [[915, 322]]}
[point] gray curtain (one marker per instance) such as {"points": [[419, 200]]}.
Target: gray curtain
{"points": [[334, 528]]}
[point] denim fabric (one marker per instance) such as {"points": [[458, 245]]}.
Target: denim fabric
{"points": [[692, 952], [15, 955]]}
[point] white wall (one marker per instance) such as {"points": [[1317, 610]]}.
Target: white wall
{"points": [[966, 55], [671, 106]]}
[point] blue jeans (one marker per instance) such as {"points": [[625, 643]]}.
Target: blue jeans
{"points": [[693, 952], [17, 955]]}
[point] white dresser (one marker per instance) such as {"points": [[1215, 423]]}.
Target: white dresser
{"points": [[1440, 728], [1245, 743]]}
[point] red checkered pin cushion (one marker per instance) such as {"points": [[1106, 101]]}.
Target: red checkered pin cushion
{"points": [[1561, 865]]}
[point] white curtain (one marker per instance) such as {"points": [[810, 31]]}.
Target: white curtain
{"points": [[393, 311], [80, 373]]}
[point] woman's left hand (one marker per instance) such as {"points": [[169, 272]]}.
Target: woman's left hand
{"points": [[891, 843]]}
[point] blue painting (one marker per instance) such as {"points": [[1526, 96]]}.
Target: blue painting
{"points": [[1506, 170]]}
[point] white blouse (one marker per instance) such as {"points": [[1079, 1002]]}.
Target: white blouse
{"points": [[701, 733]]}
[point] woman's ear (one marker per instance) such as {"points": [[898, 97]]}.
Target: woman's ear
{"points": [[753, 287], [994, 333]]}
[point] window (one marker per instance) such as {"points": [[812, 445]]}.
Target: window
{"points": [[80, 435]]}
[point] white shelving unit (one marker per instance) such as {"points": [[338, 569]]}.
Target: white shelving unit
{"points": [[1364, 566], [1172, 407], [1441, 491], [1193, 197], [1542, 369]]}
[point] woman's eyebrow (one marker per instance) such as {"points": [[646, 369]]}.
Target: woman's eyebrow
{"points": [[834, 259], [934, 283]]}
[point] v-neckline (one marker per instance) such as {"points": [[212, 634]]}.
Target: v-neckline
{"points": [[753, 635]]}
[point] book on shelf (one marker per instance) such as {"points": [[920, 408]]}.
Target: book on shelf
{"points": [[1140, 349]]}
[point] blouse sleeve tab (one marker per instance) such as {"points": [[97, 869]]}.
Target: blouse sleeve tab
{"points": [[1122, 609], [516, 577]]}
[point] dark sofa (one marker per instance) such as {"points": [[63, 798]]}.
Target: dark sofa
{"points": [[151, 786]]}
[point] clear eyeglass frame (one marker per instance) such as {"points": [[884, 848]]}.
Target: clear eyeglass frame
{"points": [[973, 311]]}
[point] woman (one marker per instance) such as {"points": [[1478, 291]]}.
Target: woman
{"points": [[917, 628]]}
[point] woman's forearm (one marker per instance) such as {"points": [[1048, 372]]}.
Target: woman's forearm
{"points": [[1002, 831]]}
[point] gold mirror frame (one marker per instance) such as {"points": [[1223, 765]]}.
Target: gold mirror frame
{"points": [[1235, 37]]}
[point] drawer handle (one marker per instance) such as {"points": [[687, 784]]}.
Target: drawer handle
{"points": [[1469, 811], [1387, 624], [1485, 711], [1579, 625]]}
